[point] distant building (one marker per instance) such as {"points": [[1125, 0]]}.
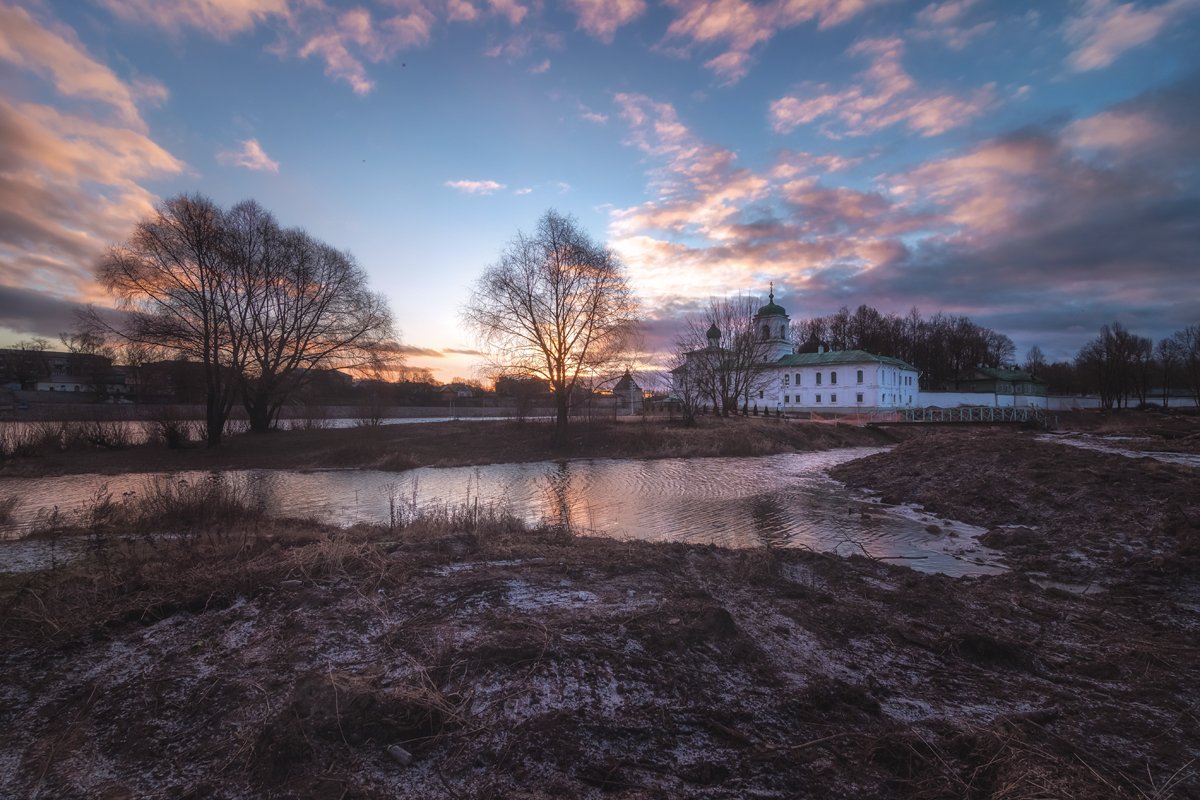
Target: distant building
{"points": [[628, 395], [990, 386], [813, 378], [1000, 381]]}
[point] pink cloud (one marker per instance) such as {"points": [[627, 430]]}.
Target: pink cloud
{"points": [[1102, 30], [947, 22], [513, 11], [251, 156], [740, 26], [220, 18], [355, 36], [52, 51], [475, 187], [885, 96], [69, 187], [461, 11], [602, 18]]}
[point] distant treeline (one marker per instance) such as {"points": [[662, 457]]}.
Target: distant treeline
{"points": [[942, 346], [1123, 368]]}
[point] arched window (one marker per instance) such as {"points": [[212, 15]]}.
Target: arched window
{"points": [[766, 334]]}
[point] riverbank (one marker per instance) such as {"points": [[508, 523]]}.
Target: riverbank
{"points": [[469, 656], [501, 662], [1070, 514], [446, 444]]}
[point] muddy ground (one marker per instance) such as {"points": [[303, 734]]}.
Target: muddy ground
{"points": [[286, 660], [1070, 514], [450, 444]]}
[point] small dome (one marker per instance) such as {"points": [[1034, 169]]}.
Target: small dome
{"points": [[771, 309], [714, 332]]}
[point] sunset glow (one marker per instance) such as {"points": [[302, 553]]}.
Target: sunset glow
{"points": [[1032, 165]]}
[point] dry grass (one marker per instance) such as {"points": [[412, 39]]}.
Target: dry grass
{"points": [[401, 447]]}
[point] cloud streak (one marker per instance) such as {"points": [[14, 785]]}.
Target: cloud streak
{"points": [[475, 187], [740, 27], [71, 177], [251, 156], [885, 96], [1101, 31]]}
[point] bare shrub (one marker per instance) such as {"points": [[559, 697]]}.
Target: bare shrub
{"points": [[168, 429], [312, 418], [107, 435], [7, 505], [28, 439], [214, 501]]}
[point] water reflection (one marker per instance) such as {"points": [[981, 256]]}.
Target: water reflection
{"points": [[781, 501]]}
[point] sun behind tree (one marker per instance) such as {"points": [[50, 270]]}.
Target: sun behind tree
{"points": [[556, 305]]}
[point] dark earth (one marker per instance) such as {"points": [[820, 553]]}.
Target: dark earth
{"points": [[471, 658]]}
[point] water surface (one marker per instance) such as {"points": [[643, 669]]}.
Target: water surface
{"points": [[783, 501]]}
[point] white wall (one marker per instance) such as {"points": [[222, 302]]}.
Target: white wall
{"points": [[985, 399], [882, 386]]}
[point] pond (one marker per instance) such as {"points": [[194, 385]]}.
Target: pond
{"points": [[783, 500]]}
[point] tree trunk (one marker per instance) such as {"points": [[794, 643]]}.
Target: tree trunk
{"points": [[258, 409], [214, 419], [561, 420]]}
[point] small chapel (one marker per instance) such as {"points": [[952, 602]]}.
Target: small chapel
{"points": [[813, 377]]}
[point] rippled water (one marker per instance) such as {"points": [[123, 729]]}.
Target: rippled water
{"points": [[1111, 444], [784, 500]]}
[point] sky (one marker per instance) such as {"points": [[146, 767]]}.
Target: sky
{"points": [[1033, 165]]}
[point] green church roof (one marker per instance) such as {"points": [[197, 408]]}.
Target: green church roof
{"points": [[840, 357], [770, 309]]}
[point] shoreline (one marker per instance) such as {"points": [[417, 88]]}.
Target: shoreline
{"points": [[453, 444], [473, 656]]}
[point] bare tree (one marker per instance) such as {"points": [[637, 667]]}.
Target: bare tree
{"points": [[1120, 361], [1187, 342], [255, 305], [304, 306], [1035, 360], [172, 281], [1170, 355], [720, 358], [556, 305]]}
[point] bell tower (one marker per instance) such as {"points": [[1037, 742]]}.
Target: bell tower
{"points": [[772, 324]]}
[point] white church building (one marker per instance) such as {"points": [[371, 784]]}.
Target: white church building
{"points": [[835, 381]]}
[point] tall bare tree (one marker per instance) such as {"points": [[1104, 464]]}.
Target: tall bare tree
{"points": [[556, 305], [304, 306], [720, 357], [1187, 345], [173, 283], [259, 307]]}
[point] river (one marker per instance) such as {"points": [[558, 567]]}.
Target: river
{"points": [[783, 501]]}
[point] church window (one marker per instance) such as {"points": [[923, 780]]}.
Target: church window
{"points": [[760, 394], [797, 378], [818, 398], [787, 398], [787, 380], [833, 398], [833, 377], [766, 333], [858, 397], [860, 376], [818, 379]]}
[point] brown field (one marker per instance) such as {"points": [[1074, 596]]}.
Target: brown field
{"points": [[468, 657]]}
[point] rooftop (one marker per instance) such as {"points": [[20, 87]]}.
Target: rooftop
{"points": [[840, 357]]}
